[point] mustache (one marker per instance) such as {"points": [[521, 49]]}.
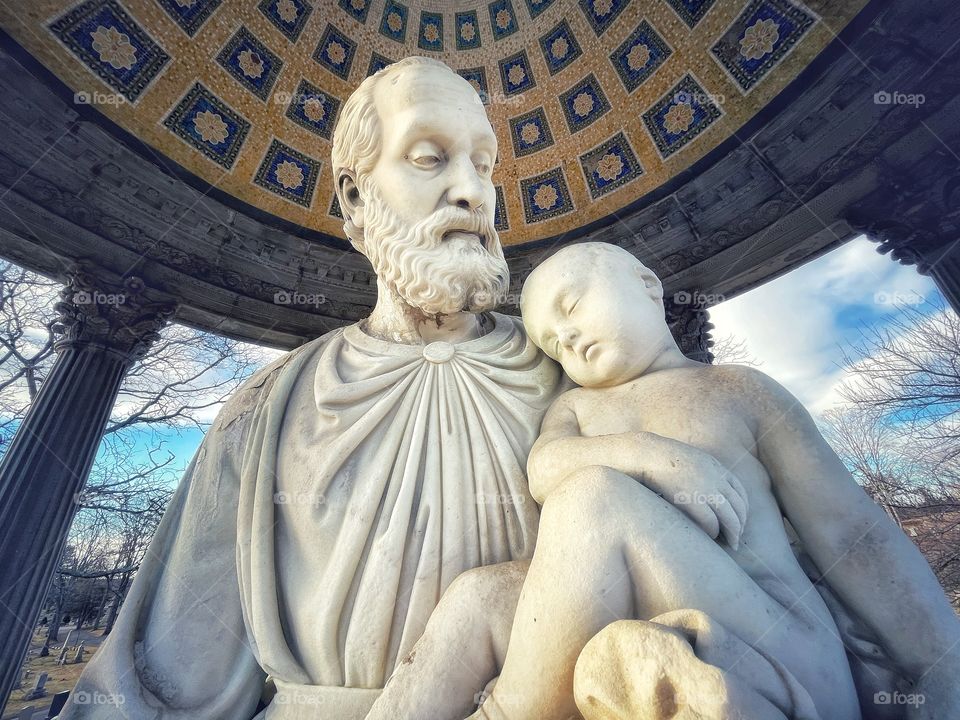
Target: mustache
{"points": [[454, 219]]}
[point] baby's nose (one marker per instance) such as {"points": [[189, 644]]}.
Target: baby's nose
{"points": [[568, 336]]}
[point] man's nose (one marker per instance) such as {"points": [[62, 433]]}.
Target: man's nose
{"points": [[466, 186]]}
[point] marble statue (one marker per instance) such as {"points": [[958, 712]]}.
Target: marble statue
{"points": [[355, 536], [664, 582], [342, 490]]}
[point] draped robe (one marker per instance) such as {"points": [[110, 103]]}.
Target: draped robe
{"points": [[336, 497]]}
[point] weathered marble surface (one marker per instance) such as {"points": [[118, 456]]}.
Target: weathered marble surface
{"points": [[360, 513], [345, 487], [665, 582]]}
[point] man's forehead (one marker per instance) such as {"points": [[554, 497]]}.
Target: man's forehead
{"points": [[412, 98], [423, 118]]}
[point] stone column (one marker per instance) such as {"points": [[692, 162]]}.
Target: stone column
{"points": [[940, 261], [689, 321], [102, 328], [943, 267], [919, 241]]}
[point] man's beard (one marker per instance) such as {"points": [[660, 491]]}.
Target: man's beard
{"points": [[435, 275]]}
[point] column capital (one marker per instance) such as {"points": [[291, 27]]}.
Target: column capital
{"points": [[897, 237], [913, 217], [120, 315], [689, 322]]}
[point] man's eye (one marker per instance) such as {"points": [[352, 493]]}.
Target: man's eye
{"points": [[483, 168], [574, 306], [427, 161]]}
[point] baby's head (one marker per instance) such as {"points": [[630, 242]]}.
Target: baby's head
{"points": [[598, 311]]}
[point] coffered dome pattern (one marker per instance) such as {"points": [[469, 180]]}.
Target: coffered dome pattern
{"points": [[595, 102]]}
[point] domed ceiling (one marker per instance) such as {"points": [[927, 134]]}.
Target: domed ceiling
{"points": [[595, 102]]}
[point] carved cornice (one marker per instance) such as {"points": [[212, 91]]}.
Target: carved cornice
{"points": [[825, 154], [913, 218]]}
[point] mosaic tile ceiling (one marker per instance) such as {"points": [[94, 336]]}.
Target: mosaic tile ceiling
{"points": [[595, 102]]}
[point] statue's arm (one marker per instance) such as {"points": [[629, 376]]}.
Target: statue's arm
{"points": [[179, 648], [668, 467], [867, 560]]}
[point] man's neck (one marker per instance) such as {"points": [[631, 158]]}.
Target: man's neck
{"points": [[394, 320]]}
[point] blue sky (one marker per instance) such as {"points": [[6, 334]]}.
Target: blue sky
{"points": [[796, 325]]}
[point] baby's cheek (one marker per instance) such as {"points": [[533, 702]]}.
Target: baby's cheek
{"points": [[581, 373]]}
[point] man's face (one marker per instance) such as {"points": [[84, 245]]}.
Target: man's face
{"points": [[595, 316], [429, 200]]}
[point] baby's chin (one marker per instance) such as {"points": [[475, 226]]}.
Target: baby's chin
{"points": [[592, 378]]}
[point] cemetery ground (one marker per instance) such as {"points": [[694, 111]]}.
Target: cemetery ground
{"points": [[60, 678]]}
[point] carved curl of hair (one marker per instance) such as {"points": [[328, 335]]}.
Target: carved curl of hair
{"points": [[356, 138]]}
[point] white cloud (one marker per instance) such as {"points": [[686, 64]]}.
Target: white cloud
{"points": [[795, 325]]}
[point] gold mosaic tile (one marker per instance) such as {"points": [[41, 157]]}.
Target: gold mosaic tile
{"points": [[718, 63]]}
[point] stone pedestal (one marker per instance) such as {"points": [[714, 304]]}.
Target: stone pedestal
{"points": [[103, 328]]}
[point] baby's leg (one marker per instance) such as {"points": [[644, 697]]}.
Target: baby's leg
{"points": [[462, 648], [609, 549]]}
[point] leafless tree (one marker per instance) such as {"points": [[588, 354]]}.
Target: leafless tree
{"points": [[910, 368], [177, 386], [898, 430], [731, 349], [26, 345]]}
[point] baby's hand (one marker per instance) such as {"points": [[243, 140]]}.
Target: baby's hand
{"points": [[713, 497]]}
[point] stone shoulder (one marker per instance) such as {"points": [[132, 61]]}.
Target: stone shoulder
{"points": [[259, 385]]}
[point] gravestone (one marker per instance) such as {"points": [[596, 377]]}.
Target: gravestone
{"points": [[59, 700], [38, 690], [62, 659]]}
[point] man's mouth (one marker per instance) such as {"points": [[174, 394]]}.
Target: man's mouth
{"points": [[465, 235]]}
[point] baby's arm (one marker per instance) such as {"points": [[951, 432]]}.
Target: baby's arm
{"points": [[668, 467], [862, 554]]}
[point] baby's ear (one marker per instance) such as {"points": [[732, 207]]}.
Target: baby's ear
{"points": [[652, 284]]}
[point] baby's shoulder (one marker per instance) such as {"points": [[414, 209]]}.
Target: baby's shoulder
{"points": [[569, 399], [748, 387], [730, 377]]}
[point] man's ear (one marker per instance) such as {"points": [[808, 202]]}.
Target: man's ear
{"points": [[350, 201]]}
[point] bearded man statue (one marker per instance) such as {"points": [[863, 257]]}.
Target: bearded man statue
{"points": [[345, 487]]}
